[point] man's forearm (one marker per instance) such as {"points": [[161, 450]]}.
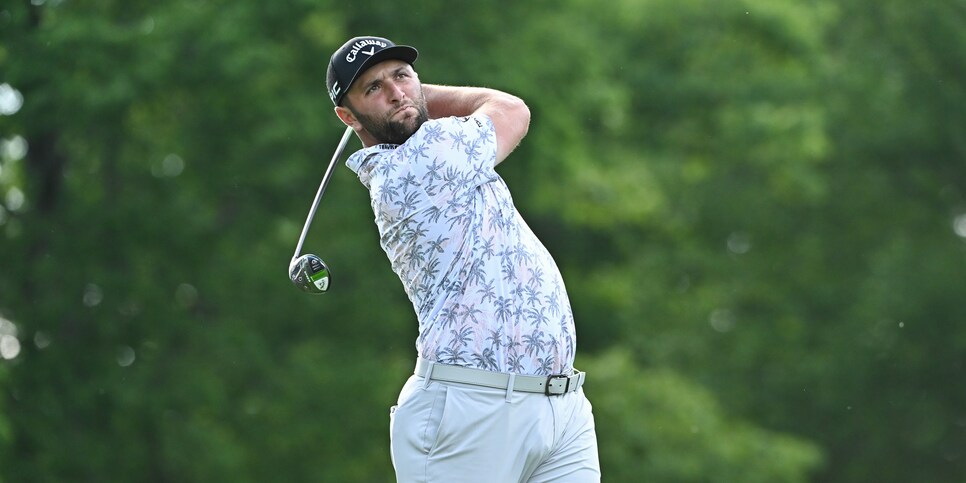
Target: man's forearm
{"points": [[445, 101]]}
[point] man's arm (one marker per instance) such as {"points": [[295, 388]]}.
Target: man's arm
{"points": [[510, 115]]}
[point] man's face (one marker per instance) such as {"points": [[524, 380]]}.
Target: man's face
{"points": [[387, 100]]}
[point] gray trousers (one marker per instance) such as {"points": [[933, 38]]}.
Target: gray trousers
{"points": [[456, 433]]}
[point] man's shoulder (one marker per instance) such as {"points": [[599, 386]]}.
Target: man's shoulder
{"points": [[360, 158]]}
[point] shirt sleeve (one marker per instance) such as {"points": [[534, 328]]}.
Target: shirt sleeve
{"points": [[453, 155]]}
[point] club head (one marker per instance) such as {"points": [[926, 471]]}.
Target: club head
{"points": [[309, 273]]}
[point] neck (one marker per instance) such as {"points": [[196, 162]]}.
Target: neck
{"points": [[366, 138]]}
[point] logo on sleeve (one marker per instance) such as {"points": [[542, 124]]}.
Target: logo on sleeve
{"points": [[467, 118]]}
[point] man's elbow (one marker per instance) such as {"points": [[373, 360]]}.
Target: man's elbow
{"points": [[521, 113]]}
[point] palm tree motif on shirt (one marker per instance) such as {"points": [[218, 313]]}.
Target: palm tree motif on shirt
{"points": [[486, 292]]}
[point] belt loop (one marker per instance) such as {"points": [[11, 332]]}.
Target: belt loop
{"points": [[429, 374], [509, 387]]}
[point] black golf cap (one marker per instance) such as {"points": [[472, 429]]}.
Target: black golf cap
{"points": [[357, 55]]}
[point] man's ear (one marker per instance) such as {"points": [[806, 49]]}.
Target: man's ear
{"points": [[347, 117], [350, 119]]}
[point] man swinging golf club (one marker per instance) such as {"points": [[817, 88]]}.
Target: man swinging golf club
{"points": [[494, 396]]}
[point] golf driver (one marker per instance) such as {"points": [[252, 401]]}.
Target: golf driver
{"points": [[308, 272]]}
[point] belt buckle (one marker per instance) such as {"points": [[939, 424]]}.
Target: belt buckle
{"points": [[550, 380]]}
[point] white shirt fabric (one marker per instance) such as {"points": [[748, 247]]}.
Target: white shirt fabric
{"points": [[486, 291]]}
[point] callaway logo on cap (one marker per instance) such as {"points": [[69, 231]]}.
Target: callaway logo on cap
{"points": [[357, 55]]}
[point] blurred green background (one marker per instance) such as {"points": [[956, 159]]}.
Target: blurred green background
{"points": [[759, 208]]}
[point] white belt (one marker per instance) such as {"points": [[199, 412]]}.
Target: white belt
{"points": [[553, 385]]}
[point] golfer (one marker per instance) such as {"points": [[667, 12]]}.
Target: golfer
{"points": [[494, 396]]}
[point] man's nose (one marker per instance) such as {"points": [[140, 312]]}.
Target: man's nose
{"points": [[396, 94]]}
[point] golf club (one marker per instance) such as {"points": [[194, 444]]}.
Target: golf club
{"points": [[308, 272]]}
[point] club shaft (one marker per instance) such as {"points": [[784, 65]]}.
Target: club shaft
{"points": [[318, 194]]}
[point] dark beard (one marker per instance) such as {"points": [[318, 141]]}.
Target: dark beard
{"points": [[389, 131]]}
